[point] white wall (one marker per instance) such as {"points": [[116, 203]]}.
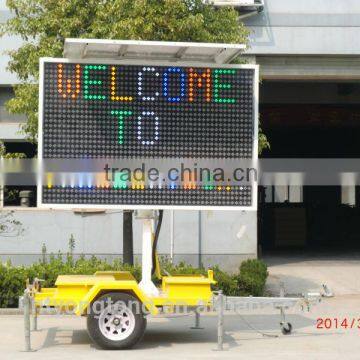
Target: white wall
{"points": [[306, 27], [227, 237]]}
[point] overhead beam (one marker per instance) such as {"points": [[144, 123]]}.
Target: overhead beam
{"points": [[151, 50]]}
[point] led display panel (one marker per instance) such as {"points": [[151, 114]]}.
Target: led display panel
{"points": [[117, 111]]}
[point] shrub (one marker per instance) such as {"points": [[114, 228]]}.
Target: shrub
{"points": [[12, 283], [254, 266], [249, 281], [252, 278], [225, 282]]}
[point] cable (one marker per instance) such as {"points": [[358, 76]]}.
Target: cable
{"points": [[156, 238], [256, 330]]}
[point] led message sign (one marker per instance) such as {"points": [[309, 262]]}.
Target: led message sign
{"points": [[117, 111]]}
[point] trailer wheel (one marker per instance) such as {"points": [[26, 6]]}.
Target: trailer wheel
{"points": [[286, 328], [116, 321]]}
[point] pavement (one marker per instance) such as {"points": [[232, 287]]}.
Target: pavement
{"points": [[307, 272], [65, 337]]}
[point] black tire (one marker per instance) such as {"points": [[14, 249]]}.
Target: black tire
{"points": [[95, 318], [286, 328]]}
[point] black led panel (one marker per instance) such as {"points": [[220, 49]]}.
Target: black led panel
{"points": [[129, 111], [238, 196]]}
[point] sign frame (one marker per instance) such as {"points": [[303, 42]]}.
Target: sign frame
{"points": [[41, 205]]}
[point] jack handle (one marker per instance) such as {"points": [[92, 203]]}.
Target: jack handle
{"points": [[33, 287]]}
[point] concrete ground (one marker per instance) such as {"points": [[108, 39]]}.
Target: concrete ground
{"points": [[307, 272], [65, 337]]}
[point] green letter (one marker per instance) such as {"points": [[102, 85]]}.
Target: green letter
{"points": [[88, 81], [218, 85], [121, 114]]}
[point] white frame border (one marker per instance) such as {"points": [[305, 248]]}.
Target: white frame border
{"points": [[254, 194]]}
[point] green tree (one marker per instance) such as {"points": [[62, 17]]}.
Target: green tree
{"points": [[44, 24], [263, 140], [6, 155], [5, 193]]}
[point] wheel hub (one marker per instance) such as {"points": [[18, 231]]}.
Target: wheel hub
{"points": [[116, 323]]}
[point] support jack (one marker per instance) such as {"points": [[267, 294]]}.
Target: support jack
{"points": [[197, 321]]}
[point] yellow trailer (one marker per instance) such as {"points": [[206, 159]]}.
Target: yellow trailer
{"points": [[116, 306]]}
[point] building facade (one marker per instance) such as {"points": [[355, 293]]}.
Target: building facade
{"points": [[308, 53]]}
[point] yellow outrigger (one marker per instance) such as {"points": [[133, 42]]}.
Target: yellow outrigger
{"points": [[77, 292]]}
